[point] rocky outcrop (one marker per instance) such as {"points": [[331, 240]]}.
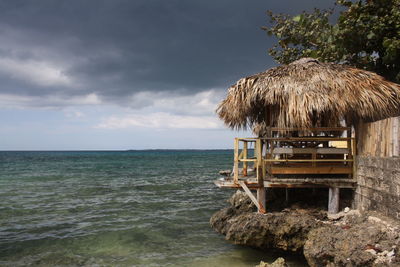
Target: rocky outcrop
{"points": [[346, 239], [354, 240], [286, 230]]}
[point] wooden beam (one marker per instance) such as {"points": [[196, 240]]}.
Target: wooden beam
{"points": [[308, 160], [311, 138], [320, 129], [287, 195], [248, 160], [311, 170], [291, 183], [261, 199], [333, 202], [260, 177], [259, 158], [318, 150], [245, 165], [236, 161], [310, 180], [250, 194]]}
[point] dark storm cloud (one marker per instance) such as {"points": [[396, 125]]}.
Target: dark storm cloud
{"points": [[116, 48]]}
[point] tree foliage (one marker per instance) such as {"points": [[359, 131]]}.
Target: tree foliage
{"points": [[365, 35]]}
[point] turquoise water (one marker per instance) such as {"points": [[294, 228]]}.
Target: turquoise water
{"points": [[133, 208]]}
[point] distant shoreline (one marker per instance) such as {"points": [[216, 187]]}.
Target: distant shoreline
{"points": [[123, 150]]}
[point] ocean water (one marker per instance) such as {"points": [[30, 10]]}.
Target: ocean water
{"points": [[132, 208]]}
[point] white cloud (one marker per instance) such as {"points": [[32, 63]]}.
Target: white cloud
{"points": [[74, 114], [202, 103], [161, 110], [37, 72], [16, 101], [160, 120]]}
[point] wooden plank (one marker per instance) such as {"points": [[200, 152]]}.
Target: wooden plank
{"points": [[260, 177], [245, 157], [297, 184], [291, 183], [333, 150], [349, 143], [250, 194], [320, 129], [354, 163], [311, 170], [306, 138], [240, 155], [310, 180], [309, 185], [236, 160], [248, 160], [308, 160], [379, 138], [318, 150], [290, 150], [260, 162]]}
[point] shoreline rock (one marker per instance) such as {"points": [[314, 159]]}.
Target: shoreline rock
{"points": [[279, 262], [348, 239]]}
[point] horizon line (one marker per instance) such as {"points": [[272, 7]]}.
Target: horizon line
{"points": [[111, 150]]}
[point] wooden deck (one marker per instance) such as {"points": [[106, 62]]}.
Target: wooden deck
{"points": [[289, 183], [320, 157]]}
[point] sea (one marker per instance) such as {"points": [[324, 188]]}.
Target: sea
{"points": [[116, 208]]}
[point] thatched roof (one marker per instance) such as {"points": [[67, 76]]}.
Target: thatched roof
{"points": [[309, 93]]}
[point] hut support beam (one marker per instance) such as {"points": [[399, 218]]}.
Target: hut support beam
{"points": [[252, 197], [287, 195], [236, 161], [333, 203], [261, 199], [245, 164], [260, 177]]}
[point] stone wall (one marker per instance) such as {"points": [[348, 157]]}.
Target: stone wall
{"points": [[378, 185]]}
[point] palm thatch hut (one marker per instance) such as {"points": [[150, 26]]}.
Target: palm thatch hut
{"points": [[300, 112], [308, 93]]}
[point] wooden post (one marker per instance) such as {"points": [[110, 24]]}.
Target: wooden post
{"points": [[245, 157], [236, 161], [258, 157], [249, 193], [260, 176], [261, 199], [333, 203], [314, 158], [350, 147], [287, 195], [354, 151]]}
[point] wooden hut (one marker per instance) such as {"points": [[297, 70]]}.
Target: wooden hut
{"points": [[306, 116]]}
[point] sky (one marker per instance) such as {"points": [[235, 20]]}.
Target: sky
{"points": [[128, 74]]}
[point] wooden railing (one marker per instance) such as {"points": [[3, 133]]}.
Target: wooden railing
{"points": [[314, 154]]}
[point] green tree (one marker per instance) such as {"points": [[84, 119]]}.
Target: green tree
{"points": [[365, 35]]}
